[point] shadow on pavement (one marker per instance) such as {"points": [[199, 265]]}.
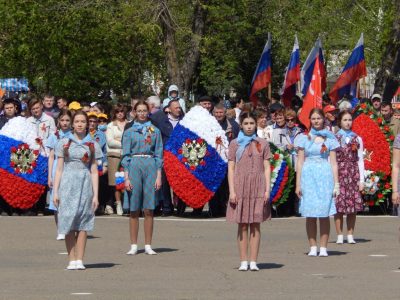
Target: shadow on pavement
{"points": [[266, 266], [362, 241], [336, 253], [162, 250], [101, 265], [92, 237]]}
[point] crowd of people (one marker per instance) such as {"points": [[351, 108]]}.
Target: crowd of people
{"points": [[112, 162]]}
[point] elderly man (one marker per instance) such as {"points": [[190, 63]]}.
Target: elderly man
{"points": [[166, 120], [230, 126], [154, 103]]}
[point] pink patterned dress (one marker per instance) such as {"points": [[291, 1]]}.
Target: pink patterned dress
{"points": [[249, 183], [349, 200]]}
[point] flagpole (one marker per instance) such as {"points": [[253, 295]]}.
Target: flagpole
{"points": [[364, 83], [358, 89], [269, 91]]}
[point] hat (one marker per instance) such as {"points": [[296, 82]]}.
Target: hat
{"points": [[104, 116], [74, 105], [204, 98], [92, 114], [376, 96], [329, 108]]}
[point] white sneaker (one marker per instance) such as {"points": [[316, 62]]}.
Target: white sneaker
{"points": [[243, 266], [133, 250], [108, 210], [79, 265], [71, 265], [339, 239], [350, 239], [120, 211], [253, 266], [313, 251], [323, 252], [149, 251], [60, 237]]}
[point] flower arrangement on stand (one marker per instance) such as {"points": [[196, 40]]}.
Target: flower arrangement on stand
{"points": [[281, 176], [377, 138]]}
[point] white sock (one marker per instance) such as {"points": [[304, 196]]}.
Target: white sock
{"points": [[243, 266], [323, 251], [133, 250], [313, 251], [339, 239], [253, 266], [148, 250], [350, 239]]}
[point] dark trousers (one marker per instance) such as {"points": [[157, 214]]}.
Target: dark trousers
{"points": [[217, 204], [165, 194], [104, 192]]}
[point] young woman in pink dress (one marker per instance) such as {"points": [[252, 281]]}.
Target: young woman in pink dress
{"points": [[249, 188], [350, 163]]}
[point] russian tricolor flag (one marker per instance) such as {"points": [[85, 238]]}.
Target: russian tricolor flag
{"points": [[308, 68], [262, 75], [354, 70], [195, 157], [292, 75], [23, 168]]}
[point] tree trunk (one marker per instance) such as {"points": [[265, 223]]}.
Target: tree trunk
{"points": [[388, 76], [181, 72]]}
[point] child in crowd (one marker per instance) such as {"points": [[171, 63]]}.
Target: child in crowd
{"points": [[249, 188]]}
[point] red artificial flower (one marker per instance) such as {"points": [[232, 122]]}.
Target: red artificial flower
{"points": [[12, 164], [202, 163], [180, 151], [85, 158], [391, 137], [36, 152], [370, 113], [200, 140], [29, 171], [371, 203], [184, 160], [387, 185], [34, 164], [363, 105], [192, 168], [276, 156], [272, 167], [258, 146], [17, 170], [380, 196], [387, 128], [148, 140], [379, 120], [188, 141], [13, 149]]}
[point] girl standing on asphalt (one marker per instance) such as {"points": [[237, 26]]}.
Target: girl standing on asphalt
{"points": [[64, 128], [249, 188], [317, 180], [142, 159], [350, 160], [76, 188]]}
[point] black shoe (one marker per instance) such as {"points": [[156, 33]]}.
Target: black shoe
{"points": [[167, 214]]}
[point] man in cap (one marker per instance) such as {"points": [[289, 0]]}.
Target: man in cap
{"points": [[206, 103], [330, 112], [376, 102]]}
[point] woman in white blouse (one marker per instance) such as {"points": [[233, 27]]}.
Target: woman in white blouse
{"points": [[115, 129]]}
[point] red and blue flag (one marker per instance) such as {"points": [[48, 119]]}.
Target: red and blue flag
{"points": [[354, 70], [262, 75], [307, 70], [292, 75]]}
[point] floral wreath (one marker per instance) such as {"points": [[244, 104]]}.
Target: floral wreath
{"points": [[282, 175], [23, 159], [377, 139]]}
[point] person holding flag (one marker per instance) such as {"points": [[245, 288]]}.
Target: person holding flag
{"points": [[262, 75], [292, 75]]}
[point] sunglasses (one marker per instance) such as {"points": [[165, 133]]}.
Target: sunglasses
{"points": [[289, 120]]}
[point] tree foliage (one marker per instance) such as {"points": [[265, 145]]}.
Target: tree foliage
{"points": [[79, 48]]}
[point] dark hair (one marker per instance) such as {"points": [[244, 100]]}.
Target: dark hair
{"points": [[32, 102], [141, 102], [100, 107], [259, 112], [245, 115], [117, 108], [341, 116], [385, 104], [62, 99], [64, 112], [317, 111]]}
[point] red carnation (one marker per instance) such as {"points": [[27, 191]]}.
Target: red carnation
{"points": [[12, 164], [380, 196], [363, 105], [192, 168], [276, 156], [188, 141], [387, 128], [200, 140], [180, 151], [203, 163], [13, 149], [387, 185], [184, 159], [29, 171], [391, 138], [36, 152], [17, 170], [34, 164]]}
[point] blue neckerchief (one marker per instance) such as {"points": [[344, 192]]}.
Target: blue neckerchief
{"points": [[141, 127], [86, 139], [323, 133], [243, 140], [64, 134], [346, 133]]}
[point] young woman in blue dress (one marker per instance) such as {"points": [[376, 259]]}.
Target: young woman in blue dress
{"points": [[317, 180]]}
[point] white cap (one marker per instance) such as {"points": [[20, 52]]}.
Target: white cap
{"points": [[376, 96]]}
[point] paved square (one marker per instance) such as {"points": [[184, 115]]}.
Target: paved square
{"points": [[198, 259]]}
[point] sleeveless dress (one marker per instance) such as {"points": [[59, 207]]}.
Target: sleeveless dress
{"points": [[349, 200], [316, 179], [249, 184], [75, 211]]}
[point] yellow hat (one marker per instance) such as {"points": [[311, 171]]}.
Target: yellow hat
{"points": [[104, 116], [92, 114], [74, 105]]}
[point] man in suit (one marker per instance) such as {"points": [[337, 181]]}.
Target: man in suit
{"points": [[166, 120]]}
